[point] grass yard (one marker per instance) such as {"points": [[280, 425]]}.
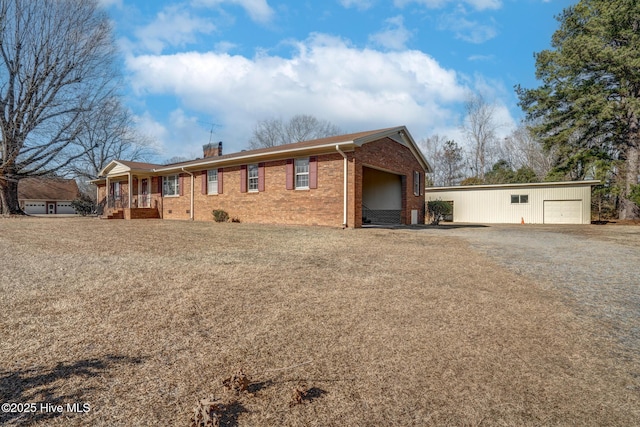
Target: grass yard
{"points": [[142, 319]]}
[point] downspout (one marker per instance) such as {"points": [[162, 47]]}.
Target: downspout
{"points": [[346, 188], [191, 208]]}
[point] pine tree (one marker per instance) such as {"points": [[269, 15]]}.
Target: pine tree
{"points": [[588, 105]]}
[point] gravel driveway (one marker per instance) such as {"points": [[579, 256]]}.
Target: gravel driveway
{"points": [[596, 267]]}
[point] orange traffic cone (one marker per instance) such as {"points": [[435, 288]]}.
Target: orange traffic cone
{"points": [[522, 220]]}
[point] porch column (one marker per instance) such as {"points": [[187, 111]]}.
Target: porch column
{"points": [[130, 189], [106, 206]]}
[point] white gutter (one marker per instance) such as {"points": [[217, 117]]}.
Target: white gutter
{"points": [[346, 188], [191, 208]]}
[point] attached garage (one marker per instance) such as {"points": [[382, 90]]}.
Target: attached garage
{"points": [[381, 197], [567, 202]]}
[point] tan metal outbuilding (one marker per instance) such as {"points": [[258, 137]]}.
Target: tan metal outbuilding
{"points": [[567, 202]]}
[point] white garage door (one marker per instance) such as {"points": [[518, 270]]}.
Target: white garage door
{"points": [[35, 208], [65, 208], [563, 211]]}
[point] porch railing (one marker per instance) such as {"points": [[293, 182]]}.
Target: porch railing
{"points": [[143, 201], [120, 201]]}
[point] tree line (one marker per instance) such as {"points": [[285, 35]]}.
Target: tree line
{"points": [[60, 111], [483, 157]]}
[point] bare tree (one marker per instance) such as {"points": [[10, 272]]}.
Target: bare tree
{"points": [[301, 127], [447, 160], [522, 149], [108, 133], [56, 63], [452, 160], [480, 129], [268, 133]]}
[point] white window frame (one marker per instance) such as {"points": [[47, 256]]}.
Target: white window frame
{"points": [[252, 178], [212, 184], [300, 175], [165, 186], [520, 199], [416, 183]]}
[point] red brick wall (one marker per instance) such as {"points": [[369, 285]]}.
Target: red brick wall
{"points": [[275, 205]]}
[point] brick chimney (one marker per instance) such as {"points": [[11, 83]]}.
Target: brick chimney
{"points": [[212, 149]]}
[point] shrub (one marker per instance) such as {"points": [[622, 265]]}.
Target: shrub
{"points": [[438, 209], [83, 206], [220, 215]]}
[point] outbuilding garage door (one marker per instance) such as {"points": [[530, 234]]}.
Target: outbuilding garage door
{"points": [[35, 208], [563, 211], [65, 208]]}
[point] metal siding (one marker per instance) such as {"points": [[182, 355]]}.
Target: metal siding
{"points": [[494, 205]]}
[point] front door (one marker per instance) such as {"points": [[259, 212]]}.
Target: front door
{"points": [[51, 208], [144, 193]]}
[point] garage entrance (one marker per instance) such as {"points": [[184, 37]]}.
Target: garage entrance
{"points": [[381, 197], [563, 211], [35, 208]]}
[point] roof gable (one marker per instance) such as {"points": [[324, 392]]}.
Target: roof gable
{"points": [[116, 167]]}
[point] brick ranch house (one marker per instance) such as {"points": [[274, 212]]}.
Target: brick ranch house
{"points": [[367, 177]]}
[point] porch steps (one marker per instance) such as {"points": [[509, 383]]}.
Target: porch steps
{"points": [[119, 214], [145, 213], [136, 213]]}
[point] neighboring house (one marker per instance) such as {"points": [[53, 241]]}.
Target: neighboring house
{"points": [[368, 177], [41, 195], [566, 202]]}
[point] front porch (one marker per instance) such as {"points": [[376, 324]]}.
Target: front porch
{"points": [[130, 196], [133, 213], [118, 207]]}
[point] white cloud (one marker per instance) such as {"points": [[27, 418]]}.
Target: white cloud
{"points": [[394, 36], [465, 29], [258, 10], [356, 89], [173, 26], [188, 130], [358, 4], [157, 132], [436, 4]]}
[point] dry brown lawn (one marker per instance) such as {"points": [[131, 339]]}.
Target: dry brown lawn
{"points": [[141, 319]]}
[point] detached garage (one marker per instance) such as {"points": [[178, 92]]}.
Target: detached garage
{"points": [[566, 202], [43, 195]]}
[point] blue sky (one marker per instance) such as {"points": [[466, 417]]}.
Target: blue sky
{"points": [[360, 64]]}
